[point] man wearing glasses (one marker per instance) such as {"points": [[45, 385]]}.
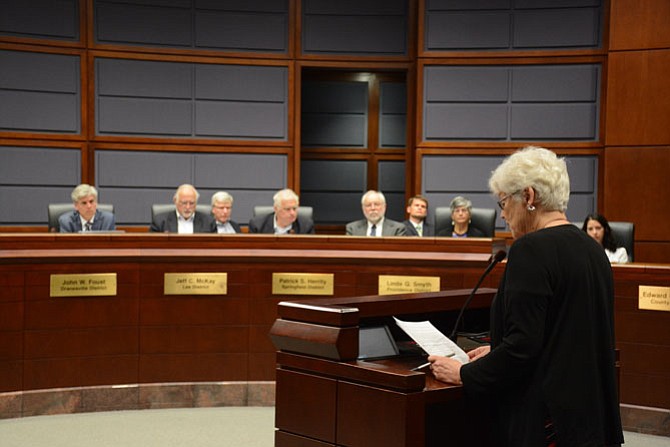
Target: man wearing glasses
{"points": [[184, 219]]}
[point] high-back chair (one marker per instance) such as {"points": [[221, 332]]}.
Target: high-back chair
{"points": [[484, 219]]}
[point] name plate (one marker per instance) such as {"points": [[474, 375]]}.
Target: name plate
{"points": [[654, 298], [85, 284], [391, 285], [195, 284], [303, 283]]}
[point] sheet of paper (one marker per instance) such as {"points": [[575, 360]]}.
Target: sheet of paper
{"points": [[431, 340]]}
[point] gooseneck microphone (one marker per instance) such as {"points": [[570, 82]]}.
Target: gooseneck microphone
{"points": [[496, 258]]}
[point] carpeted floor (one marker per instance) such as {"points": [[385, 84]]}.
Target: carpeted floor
{"points": [[192, 427]]}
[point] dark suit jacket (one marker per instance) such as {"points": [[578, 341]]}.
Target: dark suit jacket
{"points": [[390, 228], [167, 223], [472, 232], [428, 229], [232, 223], [70, 222], [265, 224]]}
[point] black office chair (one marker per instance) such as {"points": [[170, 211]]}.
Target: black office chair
{"points": [[160, 208], [306, 212], [484, 219], [55, 210], [624, 235]]}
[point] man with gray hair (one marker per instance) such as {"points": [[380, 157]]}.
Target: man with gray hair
{"points": [[222, 208], [184, 219], [86, 215], [375, 224], [284, 219]]}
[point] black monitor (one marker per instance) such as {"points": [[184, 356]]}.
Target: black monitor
{"points": [[376, 342]]}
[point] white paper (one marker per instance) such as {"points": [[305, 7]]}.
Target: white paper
{"points": [[431, 340]]}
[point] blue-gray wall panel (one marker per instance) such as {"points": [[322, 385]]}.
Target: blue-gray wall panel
{"points": [[252, 26], [392, 131], [191, 100], [334, 97], [241, 31], [444, 177], [546, 102], [39, 72], [240, 120], [393, 98], [144, 116], [465, 121], [466, 84], [39, 166], [134, 169], [355, 7], [569, 28], [583, 173], [39, 112], [454, 30], [391, 182], [139, 24], [365, 35], [495, 25], [42, 19], [334, 130], [557, 83], [39, 92], [241, 83], [333, 207], [333, 175], [555, 121], [241, 171], [33, 177], [334, 189], [122, 77]]}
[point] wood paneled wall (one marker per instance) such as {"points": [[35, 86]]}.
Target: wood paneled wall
{"points": [[637, 134]]}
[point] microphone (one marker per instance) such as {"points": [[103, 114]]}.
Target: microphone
{"points": [[496, 258]]}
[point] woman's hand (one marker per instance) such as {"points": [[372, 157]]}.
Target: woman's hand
{"points": [[445, 369], [479, 352]]}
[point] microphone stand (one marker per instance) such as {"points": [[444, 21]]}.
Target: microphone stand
{"points": [[499, 256]]}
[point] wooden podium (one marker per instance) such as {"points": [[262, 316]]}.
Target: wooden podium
{"points": [[326, 397]]}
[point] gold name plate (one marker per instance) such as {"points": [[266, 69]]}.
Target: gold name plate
{"points": [[390, 284], [195, 284], [88, 284], [654, 298], [303, 283]]}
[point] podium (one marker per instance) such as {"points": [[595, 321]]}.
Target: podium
{"points": [[327, 397]]}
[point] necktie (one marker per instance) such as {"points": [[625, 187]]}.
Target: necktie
{"points": [[87, 226], [419, 229], [373, 230]]}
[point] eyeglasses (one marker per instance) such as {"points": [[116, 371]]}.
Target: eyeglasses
{"points": [[186, 203], [503, 202]]}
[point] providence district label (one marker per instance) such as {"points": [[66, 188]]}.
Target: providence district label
{"points": [[391, 284], [195, 284], [654, 298], [84, 284], [303, 283]]}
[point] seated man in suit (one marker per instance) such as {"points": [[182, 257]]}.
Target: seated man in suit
{"points": [[222, 208], [86, 215], [374, 224], [185, 219], [285, 219], [418, 224]]}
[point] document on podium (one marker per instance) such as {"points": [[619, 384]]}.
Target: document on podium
{"points": [[431, 340]]}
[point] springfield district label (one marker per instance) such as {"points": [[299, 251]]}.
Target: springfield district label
{"points": [[654, 298], [302, 283], [195, 284], [390, 284], [85, 284]]}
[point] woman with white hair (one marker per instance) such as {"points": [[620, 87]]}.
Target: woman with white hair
{"points": [[549, 373]]}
